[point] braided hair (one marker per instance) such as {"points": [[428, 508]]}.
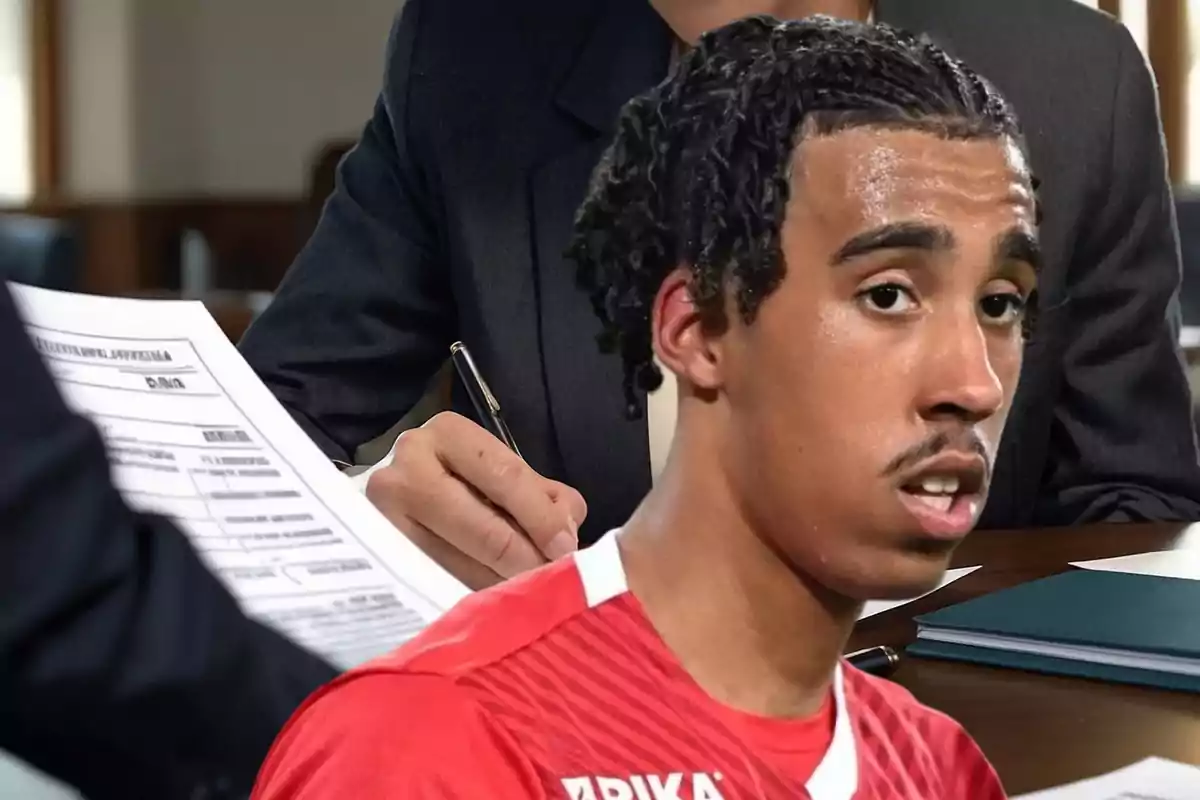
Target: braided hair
{"points": [[699, 171]]}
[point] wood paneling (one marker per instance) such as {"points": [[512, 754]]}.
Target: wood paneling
{"points": [[233, 311], [130, 248], [46, 54], [1168, 46]]}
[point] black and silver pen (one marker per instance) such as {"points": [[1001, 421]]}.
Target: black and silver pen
{"points": [[487, 407], [875, 660]]}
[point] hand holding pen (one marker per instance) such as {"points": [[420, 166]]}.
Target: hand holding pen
{"points": [[462, 493]]}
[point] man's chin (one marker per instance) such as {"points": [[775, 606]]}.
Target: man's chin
{"points": [[906, 589], [900, 577]]}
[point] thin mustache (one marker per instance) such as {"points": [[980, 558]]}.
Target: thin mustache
{"points": [[959, 441]]}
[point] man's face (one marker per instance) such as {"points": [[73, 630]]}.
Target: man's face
{"points": [[866, 401]]}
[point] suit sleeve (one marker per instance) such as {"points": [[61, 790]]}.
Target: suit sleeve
{"points": [[350, 742], [121, 655], [1123, 440], [365, 315]]}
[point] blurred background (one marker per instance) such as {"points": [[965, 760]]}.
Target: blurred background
{"points": [[167, 146], [184, 147]]}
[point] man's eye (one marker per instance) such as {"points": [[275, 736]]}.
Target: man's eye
{"points": [[888, 298], [1003, 308]]}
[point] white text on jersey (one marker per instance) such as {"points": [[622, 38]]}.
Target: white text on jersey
{"points": [[672, 786]]}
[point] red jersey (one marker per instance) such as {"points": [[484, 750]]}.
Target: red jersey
{"points": [[555, 685]]}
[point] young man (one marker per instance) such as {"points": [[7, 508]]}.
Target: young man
{"points": [[827, 232], [451, 215]]}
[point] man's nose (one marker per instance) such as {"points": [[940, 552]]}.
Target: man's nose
{"points": [[960, 382]]}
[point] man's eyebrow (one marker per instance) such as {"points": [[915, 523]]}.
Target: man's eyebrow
{"points": [[1019, 245], [896, 236]]}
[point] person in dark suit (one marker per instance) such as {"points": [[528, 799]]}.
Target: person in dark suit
{"points": [[451, 214], [126, 668]]}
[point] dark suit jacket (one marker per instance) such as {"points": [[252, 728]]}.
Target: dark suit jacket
{"points": [[126, 669], [451, 214]]}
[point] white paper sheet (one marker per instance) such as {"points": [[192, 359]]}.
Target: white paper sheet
{"points": [[874, 607], [193, 434], [1151, 779], [1165, 564]]}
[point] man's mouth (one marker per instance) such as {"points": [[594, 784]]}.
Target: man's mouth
{"points": [[945, 494], [936, 492]]}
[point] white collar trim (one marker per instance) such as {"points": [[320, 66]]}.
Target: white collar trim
{"points": [[601, 570], [836, 777]]}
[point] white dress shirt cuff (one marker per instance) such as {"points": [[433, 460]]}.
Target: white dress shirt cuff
{"points": [[360, 480]]}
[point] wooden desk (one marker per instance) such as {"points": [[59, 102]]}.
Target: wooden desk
{"points": [[1041, 730]]}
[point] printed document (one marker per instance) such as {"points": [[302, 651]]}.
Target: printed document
{"points": [[194, 435], [1151, 779]]}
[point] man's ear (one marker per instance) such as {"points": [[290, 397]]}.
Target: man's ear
{"points": [[680, 341]]}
